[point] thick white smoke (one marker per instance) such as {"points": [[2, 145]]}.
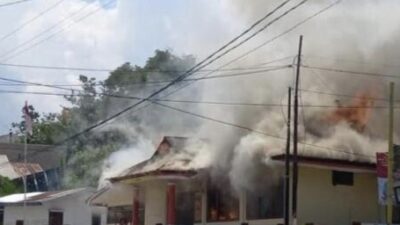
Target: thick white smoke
{"points": [[366, 34]]}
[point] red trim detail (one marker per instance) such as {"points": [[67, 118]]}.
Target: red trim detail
{"points": [[171, 209], [135, 207], [331, 162]]}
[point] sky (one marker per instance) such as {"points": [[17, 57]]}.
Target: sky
{"points": [[119, 31]]}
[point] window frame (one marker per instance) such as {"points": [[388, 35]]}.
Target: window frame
{"points": [[342, 178], [220, 193]]}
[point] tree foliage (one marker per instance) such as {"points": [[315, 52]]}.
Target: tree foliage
{"points": [[86, 153], [7, 187]]}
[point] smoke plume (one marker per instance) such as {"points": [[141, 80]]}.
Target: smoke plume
{"points": [[348, 125]]}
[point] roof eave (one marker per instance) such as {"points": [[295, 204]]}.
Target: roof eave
{"points": [[157, 173]]}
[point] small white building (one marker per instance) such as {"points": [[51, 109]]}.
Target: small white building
{"points": [[68, 207]]}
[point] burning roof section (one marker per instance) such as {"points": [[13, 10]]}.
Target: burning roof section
{"points": [[172, 157]]}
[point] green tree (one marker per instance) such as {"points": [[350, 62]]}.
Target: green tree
{"points": [[86, 153], [7, 187], [45, 128]]}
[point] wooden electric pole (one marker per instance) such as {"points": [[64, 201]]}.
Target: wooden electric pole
{"points": [[286, 195], [389, 196], [295, 134]]}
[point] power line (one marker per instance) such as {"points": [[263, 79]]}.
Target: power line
{"points": [[13, 3], [188, 101], [257, 32], [254, 131], [21, 82], [284, 33], [204, 117], [353, 72], [263, 44], [242, 42], [178, 79], [343, 95], [270, 40], [209, 57], [6, 56], [85, 69], [352, 61], [31, 20]]}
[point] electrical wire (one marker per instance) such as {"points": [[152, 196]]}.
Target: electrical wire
{"points": [[261, 45], [188, 101], [13, 3], [352, 61], [120, 113], [352, 72], [33, 19], [253, 130], [14, 51], [276, 68], [84, 69], [343, 95]]}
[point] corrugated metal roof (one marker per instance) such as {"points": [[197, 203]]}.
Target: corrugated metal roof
{"points": [[171, 155], [25, 169], [47, 156], [16, 198], [38, 197]]}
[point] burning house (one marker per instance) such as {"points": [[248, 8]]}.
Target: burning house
{"points": [[173, 187]]}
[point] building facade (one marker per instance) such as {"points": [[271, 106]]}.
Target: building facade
{"points": [[52, 208], [168, 189]]}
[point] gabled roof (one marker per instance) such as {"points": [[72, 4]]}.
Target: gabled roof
{"points": [[26, 168], [47, 156], [37, 198], [17, 170], [172, 157]]}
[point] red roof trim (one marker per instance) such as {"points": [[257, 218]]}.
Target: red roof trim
{"points": [[330, 162]]}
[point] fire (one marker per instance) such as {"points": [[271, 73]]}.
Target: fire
{"points": [[357, 113]]}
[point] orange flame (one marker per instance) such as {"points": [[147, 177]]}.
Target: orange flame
{"points": [[357, 113]]}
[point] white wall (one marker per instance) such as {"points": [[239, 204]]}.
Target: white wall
{"points": [[75, 212], [155, 202], [320, 202]]}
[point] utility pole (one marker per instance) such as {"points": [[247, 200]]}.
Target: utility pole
{"points": [[25, 176], [295, 134], [286, 195], [389, 196]]}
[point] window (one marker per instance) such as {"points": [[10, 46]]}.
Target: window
{"points": [[342, 178], [118, 213], [56, 218], [19, 222], [96, 219], [266, 202], [221, 204]]}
